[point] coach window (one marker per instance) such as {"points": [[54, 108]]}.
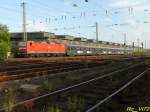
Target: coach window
{"points": [[73, 48], [70, 48], [77, 48], [94, 49]]}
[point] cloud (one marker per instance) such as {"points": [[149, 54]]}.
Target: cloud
{"points": [[125, 3], [67, 2], [142, 32], [142, 7], [37, 26], [107, 20], [131, 22]]}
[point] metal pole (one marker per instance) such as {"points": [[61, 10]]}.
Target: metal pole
{"points": [[149, 45], [133, 47], [24, 21], [138, 45], [125, 42], [145, 44], [97, 32]]}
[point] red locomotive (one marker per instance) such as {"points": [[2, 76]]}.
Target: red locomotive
{"points": [[31, 48]]}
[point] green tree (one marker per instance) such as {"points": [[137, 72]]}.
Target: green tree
{"points": [[4, 41]]}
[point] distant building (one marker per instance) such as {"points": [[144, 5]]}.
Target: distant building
{"points": [[65, 39], [35, 36]]}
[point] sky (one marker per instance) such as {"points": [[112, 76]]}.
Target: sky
{"points": [[115, 18]]}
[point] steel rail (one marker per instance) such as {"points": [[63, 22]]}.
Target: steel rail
{"points": [[4, 78], [119, 90], [64, 72], [31, 64], [28, 64], [31, 69], [51, 74], [43, 76], [74, 86]]}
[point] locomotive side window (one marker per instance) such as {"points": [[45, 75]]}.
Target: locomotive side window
{"points": [[30, 44]]}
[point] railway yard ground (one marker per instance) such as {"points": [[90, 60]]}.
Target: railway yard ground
{"points": [[106, 83]]}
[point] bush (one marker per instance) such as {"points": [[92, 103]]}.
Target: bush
{"points": [[4, 49], [5, 46], [3, 55], [9, 100]]}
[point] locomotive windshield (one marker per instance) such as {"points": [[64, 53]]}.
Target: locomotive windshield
{"points": [[21, 44]]}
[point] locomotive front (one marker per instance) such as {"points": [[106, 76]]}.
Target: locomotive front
{"points": [[21, 48]]}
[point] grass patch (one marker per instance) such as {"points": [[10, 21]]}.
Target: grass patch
{"points": [[9, 100]]}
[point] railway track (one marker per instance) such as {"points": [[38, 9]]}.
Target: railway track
{"points": [[11, 68], [24, 65], [87, 96], [93, 108], [75, 58], [38, 69], [89, 92], [68, 77], [133, 96]]}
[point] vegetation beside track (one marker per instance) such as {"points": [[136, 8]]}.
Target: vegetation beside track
{"points": [[5, 45]]}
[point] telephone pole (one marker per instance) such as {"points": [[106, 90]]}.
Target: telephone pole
{"points": [[97, 32], [23, 4]]}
